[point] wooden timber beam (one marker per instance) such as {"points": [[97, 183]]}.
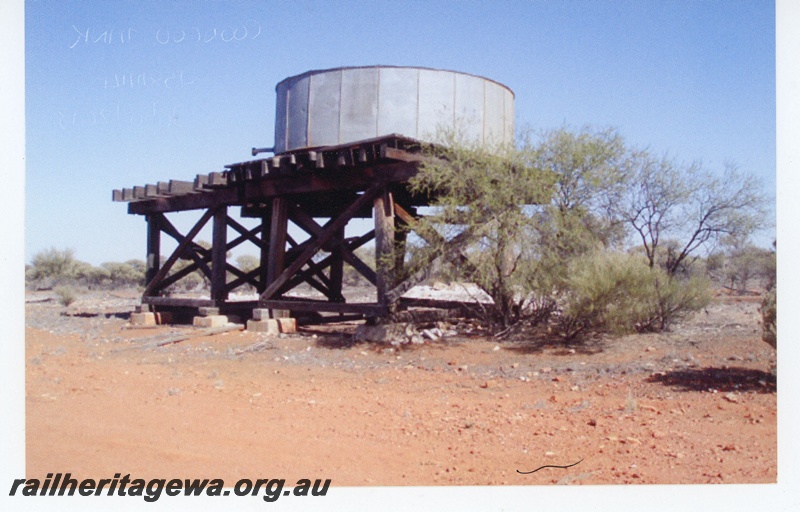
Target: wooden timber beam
{"points": [[329, 231], [218, 254], [196, 252], [153, 285], [277, 240], [349, 245], [384, 242], [153, 260], [247, 234], [316, 306], [337, 267], [310, 226], [249, 278], [250, 192]]}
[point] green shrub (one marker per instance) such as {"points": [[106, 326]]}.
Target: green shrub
{"points": [[605, 291], [53, 266], [769, 316], [619, 293], [130, 273], [66, 295], [675, 297]]}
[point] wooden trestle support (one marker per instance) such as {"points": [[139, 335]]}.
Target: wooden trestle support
{"points": [[360, 180]]}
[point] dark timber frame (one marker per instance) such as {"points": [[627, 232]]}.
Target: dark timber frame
{"points": [[339, 183]]}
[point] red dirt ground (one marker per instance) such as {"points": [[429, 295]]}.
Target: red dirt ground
{"points": [[697, 405]]}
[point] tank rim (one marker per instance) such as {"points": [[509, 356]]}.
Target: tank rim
{"points": [[295, 78]]}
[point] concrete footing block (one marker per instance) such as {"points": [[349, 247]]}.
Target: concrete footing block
{"points": [[287, 325], [266, 314], [260, 314], [210, 321], [143, 319], [269, 326]]}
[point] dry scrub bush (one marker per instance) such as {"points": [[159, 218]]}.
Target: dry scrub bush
{"points": [[619, 293], [66, 295], [769, 316]]}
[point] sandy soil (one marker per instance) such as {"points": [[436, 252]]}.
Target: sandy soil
{"points": [[696, 405]]}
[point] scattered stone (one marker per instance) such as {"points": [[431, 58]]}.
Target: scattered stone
{"points": [[731, 397], [384, 333], [430, 334], [593, 422]]}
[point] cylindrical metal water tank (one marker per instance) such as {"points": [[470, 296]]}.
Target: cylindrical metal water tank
{"points": [[343, 105]]}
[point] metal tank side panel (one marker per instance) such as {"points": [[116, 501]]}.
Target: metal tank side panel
{"points": [[324, 109], [494, 106], [343, 105], [436, 90], [298, 113], [469, 111], [509, 133], [397, 107], [359, 117], [281, 119]]}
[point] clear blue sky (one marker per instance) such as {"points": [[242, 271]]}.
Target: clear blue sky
{"points": [[695, 79]]}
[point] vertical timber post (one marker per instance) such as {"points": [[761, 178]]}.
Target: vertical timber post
{"points": [[383, 211], [276, 260], [153, 246], [218, 254], [400, 236], [337, 268], [263, 278]]}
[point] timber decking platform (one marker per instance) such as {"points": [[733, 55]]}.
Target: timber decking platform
{"points": [[363, 179]]}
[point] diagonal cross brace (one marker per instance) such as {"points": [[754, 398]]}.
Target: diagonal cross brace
{"points": [[310, 226], [153, 285], [328, 232]]}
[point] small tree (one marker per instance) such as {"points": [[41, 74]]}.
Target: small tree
{"points": [[53, 266], [130, 273], [745, 262], [483, 219], [689, 206], [510, 219]]}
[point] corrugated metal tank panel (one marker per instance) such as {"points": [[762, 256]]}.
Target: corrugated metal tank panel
{"points": [[343, 105]]}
